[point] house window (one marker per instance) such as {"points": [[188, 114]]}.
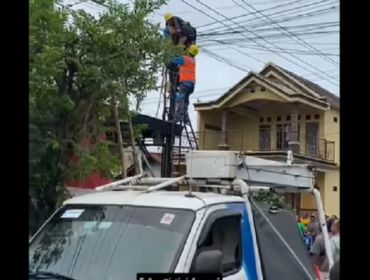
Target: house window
{"points": [[308, 117], [261, 120], [263, 89], [278, 119], [265, 137], [335, 119], [317, 116], [335, 189], [269, 119], [312, 140]]}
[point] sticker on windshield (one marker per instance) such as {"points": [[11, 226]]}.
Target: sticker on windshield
{"points": [[89, 225], [167, 219], [104, 225], [96, 225], [72, 213]]}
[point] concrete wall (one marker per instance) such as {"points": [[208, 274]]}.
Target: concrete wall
{"points": [[308, 201], [331, 130], [331, 202], [328, 183], [209, 139], [332, 181]]}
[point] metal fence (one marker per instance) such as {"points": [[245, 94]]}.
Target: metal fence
{"points": [[268, 140]]}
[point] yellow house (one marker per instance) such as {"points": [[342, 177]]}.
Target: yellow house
{"points": [[272, 111]]}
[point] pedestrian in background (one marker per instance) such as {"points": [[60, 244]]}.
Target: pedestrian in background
{"points": [[318, 253], [330, 221], [301, 227], [305, 219], [313, 227], [335, 240]]}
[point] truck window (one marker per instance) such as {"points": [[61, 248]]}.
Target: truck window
{"points": [[91, 242], [225, 236]]}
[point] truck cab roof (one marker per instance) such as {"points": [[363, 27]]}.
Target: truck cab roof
{"points": [[166, 199]]}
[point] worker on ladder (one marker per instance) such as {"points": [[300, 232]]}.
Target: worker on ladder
{"points": [[187, 77], [172, 85], [181, 32]]}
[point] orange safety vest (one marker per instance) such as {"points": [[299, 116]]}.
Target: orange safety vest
{"points": [[187, 71]]}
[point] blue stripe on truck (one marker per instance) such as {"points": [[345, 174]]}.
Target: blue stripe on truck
{"points": [[249, 256]]}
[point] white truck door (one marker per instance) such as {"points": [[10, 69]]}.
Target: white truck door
{"points": [[227, 227]]}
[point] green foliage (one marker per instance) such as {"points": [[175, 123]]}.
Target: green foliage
{"points": [[79, 67], [271, 198]]}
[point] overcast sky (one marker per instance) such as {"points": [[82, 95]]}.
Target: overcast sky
{"points": [[299, 35]]}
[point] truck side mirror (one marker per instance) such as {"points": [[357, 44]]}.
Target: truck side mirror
{"points": [[209, 261]]}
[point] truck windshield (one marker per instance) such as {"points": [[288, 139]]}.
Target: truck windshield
{"points": [[95, 242]]}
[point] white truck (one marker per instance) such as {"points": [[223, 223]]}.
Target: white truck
{"points": [[136, 225]]}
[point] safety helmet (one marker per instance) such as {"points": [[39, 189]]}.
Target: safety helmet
{"points": [[167, 17], [193, 50]]}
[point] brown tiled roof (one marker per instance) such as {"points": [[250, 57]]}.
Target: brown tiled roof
{"points": [[333, 99], [327, 96]]}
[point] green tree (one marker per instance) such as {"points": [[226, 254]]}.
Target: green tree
{"points": [[81, 68]]}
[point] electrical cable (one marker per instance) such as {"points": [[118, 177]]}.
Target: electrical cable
{"points": [[291, 12], [277, 53], [303, 42], [215, 92], [249, 14], [302, 27]]}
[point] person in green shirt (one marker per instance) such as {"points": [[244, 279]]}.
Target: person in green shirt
{"points": [[301, 227]]}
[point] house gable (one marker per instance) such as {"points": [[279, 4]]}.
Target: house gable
{"points": [[279, 86], [255, 91], [280, 79], [301, 84], [254, 87], [287, 79], [276, 78]]}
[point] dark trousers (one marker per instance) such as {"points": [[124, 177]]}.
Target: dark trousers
{"points": [[173, 75], [182, 100]]}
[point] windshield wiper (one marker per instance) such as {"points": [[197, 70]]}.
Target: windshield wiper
{"points": [[48, 275]]}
